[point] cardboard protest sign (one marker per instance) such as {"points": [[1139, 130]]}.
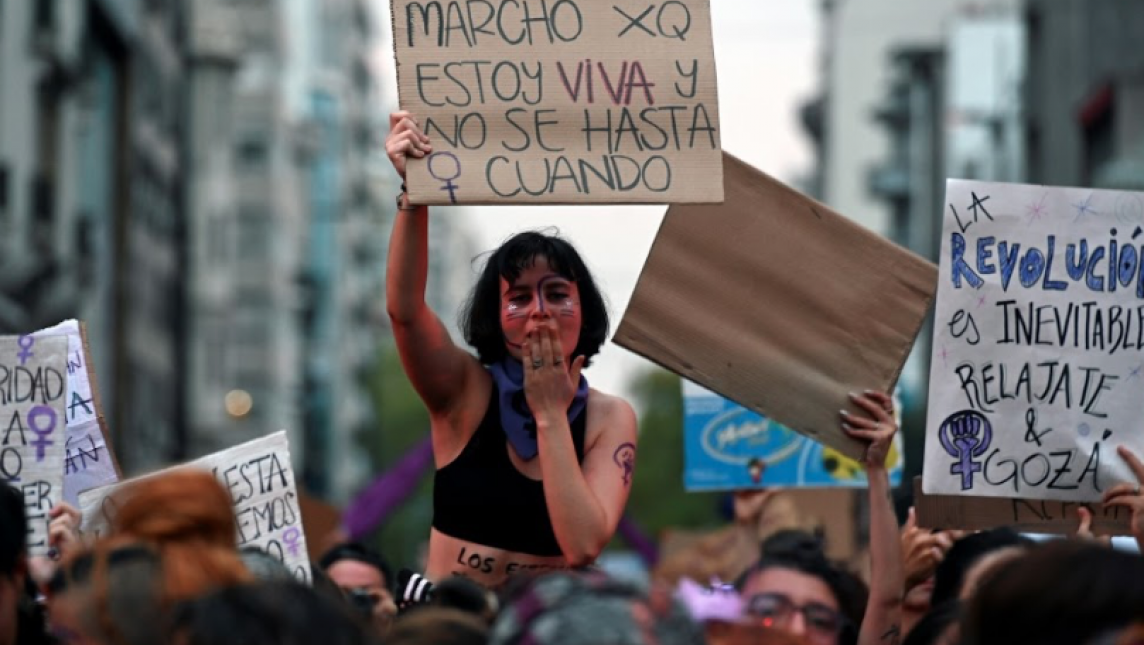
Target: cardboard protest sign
{"points": [[1038, 356], [33, 382], [1026, 515], [560, 101], [778, 303], [89, 461], [260, 478], [728, 447]]}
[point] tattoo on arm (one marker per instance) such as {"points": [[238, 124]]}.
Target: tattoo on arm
{"points": [[625, 458], [893, 635]]}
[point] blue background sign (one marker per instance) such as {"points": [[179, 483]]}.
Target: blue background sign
{"points": [[727, 446]]}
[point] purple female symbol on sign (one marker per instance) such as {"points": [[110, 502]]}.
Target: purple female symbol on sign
{"points": [[25, 343], [291, 537], [965, 435], [448, 185]]}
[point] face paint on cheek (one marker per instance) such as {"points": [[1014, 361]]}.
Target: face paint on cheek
{"points": [[568, 308]]}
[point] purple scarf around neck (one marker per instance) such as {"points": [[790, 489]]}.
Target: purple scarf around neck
{"points": [[515, 417]]}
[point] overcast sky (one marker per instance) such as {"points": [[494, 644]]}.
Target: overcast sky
{"points": [[766, 58]]}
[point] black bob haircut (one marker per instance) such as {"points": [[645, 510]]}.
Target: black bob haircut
{"points": [[358, 553], [481, 320]]}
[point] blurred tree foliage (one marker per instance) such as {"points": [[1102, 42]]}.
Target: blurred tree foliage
{"points": [[402, 422], [658, 500]]}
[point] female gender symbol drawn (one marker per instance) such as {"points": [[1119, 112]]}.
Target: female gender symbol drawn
{"points": [[965, 435], [291, 538], [449, 185], [34, 415], [25, 343]]}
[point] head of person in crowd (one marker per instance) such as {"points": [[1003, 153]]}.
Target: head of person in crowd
{"points": [[940, 626], [187, 517], [365, 578], [970, 559], [20, 621], [108, 596], [271, 612], [795, 588], [438, 625], [493, 330], [264, 566], [1061, 592], [587, 608]]}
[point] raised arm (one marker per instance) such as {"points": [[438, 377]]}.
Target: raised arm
{"points": [[882, 624], [436, 367]]}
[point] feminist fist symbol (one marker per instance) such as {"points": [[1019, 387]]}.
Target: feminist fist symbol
{"points": [[965, 435], [625, 457]]}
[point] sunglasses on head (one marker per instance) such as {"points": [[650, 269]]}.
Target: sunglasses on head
{"points": [[776, 610]]}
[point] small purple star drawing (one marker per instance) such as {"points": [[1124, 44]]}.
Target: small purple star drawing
{"points": [[1135, 372], [1037, 210], [1085, 208]]}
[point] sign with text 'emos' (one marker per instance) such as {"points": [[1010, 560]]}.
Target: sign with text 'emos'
{"points": [[560, 101], [33, 384], [260, 479], [1038, 354]]}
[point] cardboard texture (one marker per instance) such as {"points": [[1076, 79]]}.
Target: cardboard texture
{"points": [[260, 478], [89, 459], [1038, 353], [560, 101], [33, 386], [778, 303], [1026, 515]]}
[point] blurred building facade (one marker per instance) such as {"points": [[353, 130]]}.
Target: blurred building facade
{"points": [[91, 223]]}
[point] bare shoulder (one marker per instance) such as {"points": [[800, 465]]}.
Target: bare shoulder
{"points": [[610, 415]]}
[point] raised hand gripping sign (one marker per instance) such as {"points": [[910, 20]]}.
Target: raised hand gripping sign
{"points": [[1038, 355], [560, 101]]}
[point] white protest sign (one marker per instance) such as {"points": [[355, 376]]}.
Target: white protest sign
{"points": [[88, 459], [260, 478], [33, 380], [1038, 354]]}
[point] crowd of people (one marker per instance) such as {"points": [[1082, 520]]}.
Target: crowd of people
{"points": [[533, 472]]}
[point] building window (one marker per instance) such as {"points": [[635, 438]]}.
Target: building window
{"points": [[252, 153]]}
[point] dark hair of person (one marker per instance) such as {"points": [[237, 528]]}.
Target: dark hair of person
{"points": [[13, 530], [284, 613], [934, 624], [359, 553], [950, 574], [128, 608], [1064, 591], [439, 626], [802, 552], [481, 320]]}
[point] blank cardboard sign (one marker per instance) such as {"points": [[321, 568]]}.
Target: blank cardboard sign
{"points": [[1025, 515], [778, 303], [560, 101]]}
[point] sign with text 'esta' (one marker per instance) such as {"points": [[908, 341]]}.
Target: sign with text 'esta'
{"points": [[33, 381], [560, 101], [1038, 355], [727, 446], [260, 478]]}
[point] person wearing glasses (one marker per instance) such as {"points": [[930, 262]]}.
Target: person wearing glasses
{"points": [[534, 467], [365, 578], [794, 588]]}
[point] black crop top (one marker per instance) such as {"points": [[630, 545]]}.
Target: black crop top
{"points": [[482, 498]]}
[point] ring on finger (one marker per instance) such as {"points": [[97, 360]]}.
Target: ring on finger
{"points": [[537, 363]]}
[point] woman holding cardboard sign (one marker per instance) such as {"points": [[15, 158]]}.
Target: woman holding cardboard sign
{"points": [[533, 467]]}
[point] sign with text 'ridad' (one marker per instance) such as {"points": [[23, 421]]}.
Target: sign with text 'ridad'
{"points": [[560, 101], [1038, 352]]}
